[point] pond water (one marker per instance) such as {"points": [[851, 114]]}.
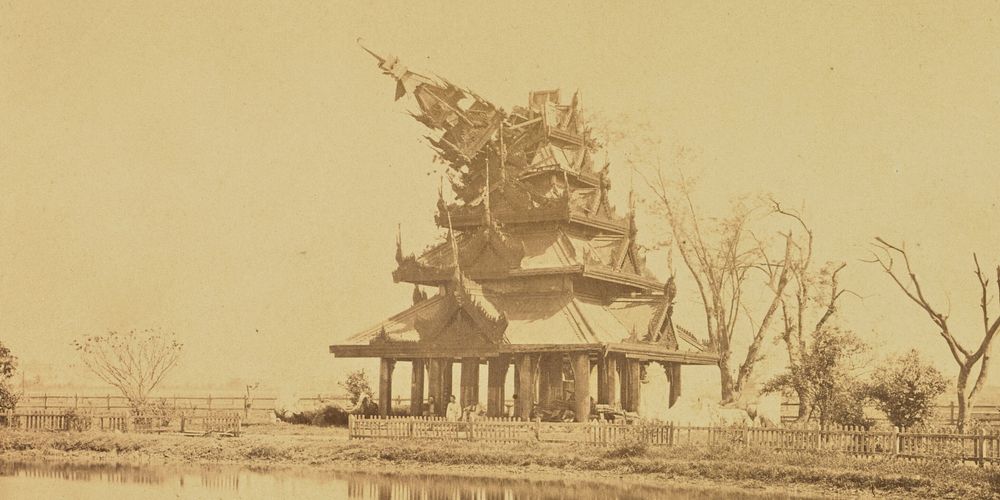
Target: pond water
{"points": [[58, 481]]}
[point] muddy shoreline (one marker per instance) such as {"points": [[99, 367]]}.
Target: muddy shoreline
{"points": [[318, 450]]}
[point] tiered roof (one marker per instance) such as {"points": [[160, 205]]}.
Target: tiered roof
{"points": [[535, 253]]}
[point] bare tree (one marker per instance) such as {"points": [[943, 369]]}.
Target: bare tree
{"points": [[967, 359], [133, 362], [807, 305], [721, 255]]}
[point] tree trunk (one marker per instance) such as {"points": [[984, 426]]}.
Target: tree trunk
{"points": [[730, 392], [805, 406], [963, 402]]}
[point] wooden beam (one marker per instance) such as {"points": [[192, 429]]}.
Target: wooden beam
{"points": [[447, 389], [631, 385], [417, 388], [434, 386], [581, 385], [411, 350], [525, 384], [496, 386], [652, 352], [674, 375], [607, 380], [385, 386], [470, 382], [550, 378]]}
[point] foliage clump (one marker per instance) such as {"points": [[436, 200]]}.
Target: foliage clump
{"points": [[825, 374], [356, 384], [8, 364], [905, 388]]}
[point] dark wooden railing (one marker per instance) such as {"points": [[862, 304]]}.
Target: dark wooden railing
{"points": [[219, 423], [936, 444]]}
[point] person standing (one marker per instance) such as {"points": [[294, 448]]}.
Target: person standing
{"points": [[453, 412]]}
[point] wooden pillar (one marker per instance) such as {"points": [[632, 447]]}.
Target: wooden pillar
{"points": [[623, 381], [674, 376], [446, 386], [497, 382], [417, 389], [525, 368], [434, 384], [581, 385], [631, 385], [607, 380], [550, 379], [470, 382], [385, 386]]}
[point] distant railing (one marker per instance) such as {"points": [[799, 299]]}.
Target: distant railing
{"points": [[941, 414], [940, 444], [220, 423], [255, 409]]}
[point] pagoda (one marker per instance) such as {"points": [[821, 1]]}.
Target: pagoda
{"points": [[537, 268]]}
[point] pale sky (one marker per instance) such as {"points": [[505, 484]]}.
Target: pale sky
{"points": [[235, 172]]}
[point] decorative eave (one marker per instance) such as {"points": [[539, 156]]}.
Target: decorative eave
{"points": [[468, 217], [414, 350], [437, 276], [607, 274]]}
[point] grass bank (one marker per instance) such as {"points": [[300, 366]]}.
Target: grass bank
{"points": [[283, 445]]}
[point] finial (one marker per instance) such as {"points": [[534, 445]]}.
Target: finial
{"points": [[399, 243], [454, 251], [486, 197]]}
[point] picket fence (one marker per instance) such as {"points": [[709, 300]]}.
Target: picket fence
{"points": [[937, 444], [228, 423]]}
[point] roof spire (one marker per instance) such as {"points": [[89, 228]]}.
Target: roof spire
{"points": [[486, 197], [454, 249], [399, 243]]}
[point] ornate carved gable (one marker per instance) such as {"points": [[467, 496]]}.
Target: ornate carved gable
{"points": [[661, 325], [462, 320]]}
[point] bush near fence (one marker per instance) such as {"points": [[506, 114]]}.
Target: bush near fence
{"points": [[925, 444]]}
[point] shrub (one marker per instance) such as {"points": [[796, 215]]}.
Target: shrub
{"points": [[356, 384], [267, 452], [330, 415], [905, 387]]}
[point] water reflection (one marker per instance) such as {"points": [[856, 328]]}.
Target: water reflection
{"points": [[22, 480]]}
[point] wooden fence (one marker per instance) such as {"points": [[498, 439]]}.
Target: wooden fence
{"points": [[219, 423], [256, 409], [940, 414], [940, 444]]}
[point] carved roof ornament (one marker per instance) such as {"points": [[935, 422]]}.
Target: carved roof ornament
{"points": [[661, 325], [418, 295], [462, 313]]}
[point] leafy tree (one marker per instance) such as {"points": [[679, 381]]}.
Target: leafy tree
{"points": [[356, 384], [8, 364], [826, 372], [133, 362], [905, 388]]}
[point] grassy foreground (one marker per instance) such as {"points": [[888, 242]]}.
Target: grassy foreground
{"points": [[283, 445]]}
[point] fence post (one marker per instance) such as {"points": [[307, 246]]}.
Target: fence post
{"points": [[980, 447], [107, 398], [896, 441]]}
